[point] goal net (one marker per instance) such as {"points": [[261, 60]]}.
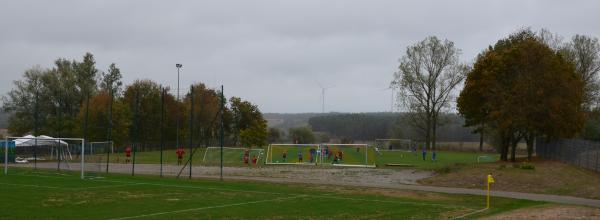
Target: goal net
{"points": [[99, 156], [350, 155], [45, 152], [232, 156], [396, 145], [293, 154]]}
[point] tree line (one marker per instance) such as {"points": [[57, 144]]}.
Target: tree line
{"points": [[528, 85], [75, 99]]}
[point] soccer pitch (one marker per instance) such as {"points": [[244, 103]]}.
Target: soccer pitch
{"points": [[444, 159], [45, 194]]}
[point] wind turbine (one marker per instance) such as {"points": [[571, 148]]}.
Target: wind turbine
{"points": [[392, 100], [323, 89]]}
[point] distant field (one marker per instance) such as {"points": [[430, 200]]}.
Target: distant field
{"points": [[39, 194], [234, 157], [444, 159], [231, 157]]}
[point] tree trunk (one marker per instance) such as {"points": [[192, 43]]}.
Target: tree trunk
{"points": [[513, 150], [433, 133], [504, 150], [530, 139], [428, 134], [481, 138]]}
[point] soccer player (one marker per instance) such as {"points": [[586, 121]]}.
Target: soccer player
{"points": [[246, 156], [300, 156], [312, 153], [340, 155], [424, 152], [254, 159], [284, 156], [180, 152], [434, 156], [127, 154], [335, 160]]}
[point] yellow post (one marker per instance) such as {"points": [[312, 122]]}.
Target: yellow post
{"points": [[490, 180]]}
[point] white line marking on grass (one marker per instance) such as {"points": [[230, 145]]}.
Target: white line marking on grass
{"points": [[207, 207], [109, 186], [470, 213], [28, 185]]}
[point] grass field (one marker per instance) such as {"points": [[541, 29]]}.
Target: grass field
{"points": [[39, 194], [444, 159], [351, 155], [233, 157]]}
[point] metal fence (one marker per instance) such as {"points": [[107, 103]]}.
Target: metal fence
{"points": [[582, 153]]}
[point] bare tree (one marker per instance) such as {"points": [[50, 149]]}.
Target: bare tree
{"points": [[584, 52], [427, 77], [553, 40]]}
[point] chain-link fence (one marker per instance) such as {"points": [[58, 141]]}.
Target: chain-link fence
{"points": [[582, 153]]}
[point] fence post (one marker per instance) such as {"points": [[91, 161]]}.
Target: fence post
{"points": [[597, 161]]}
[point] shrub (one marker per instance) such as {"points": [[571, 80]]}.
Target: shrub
{"points": [[527, 166]]}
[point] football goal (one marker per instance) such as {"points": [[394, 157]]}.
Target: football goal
{"points": [[302, 154], [99, 155], [45, 152], [349, 155], [232, 156], [396, 145]]}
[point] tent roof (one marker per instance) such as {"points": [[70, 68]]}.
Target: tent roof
{"points": [[43, 140]]}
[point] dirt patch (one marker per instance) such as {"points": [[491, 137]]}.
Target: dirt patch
{"points": [[548, 177], [420, 195], [302, 174], [550, 212]]}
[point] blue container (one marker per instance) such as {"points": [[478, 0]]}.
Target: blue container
{"points": [[11, 151]]}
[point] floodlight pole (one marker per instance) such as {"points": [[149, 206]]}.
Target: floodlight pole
{"points": [[191, 127], [110, 124], [222, 140], [82, 157], [162, 129], [178, 65], [6, 156]]}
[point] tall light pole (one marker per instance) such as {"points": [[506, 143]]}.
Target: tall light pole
{"points": [[178, 65]]}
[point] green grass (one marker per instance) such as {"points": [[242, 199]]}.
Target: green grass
{"points": [[351, 155], [444, 159], [231, 157], [38, 194]]}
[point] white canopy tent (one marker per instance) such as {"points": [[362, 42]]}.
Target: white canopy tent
{"points": [[59, 149], [42, 140]]}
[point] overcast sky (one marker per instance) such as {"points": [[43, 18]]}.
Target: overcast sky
{"points": [[271, 53]]}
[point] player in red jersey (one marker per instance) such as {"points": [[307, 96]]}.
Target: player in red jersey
{"points": [[127, 154], [180, 152]]}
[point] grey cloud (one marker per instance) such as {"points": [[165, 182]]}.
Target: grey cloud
{"points": [[269, 52]]}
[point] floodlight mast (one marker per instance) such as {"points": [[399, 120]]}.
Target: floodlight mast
{"points": [[178, 65]]}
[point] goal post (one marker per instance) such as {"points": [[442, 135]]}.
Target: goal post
{"points": [[45, 153], [348, 155], [292, 154], [232, 156]]}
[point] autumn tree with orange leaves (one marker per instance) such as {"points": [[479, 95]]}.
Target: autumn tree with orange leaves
{"points": [[522, 89]]}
